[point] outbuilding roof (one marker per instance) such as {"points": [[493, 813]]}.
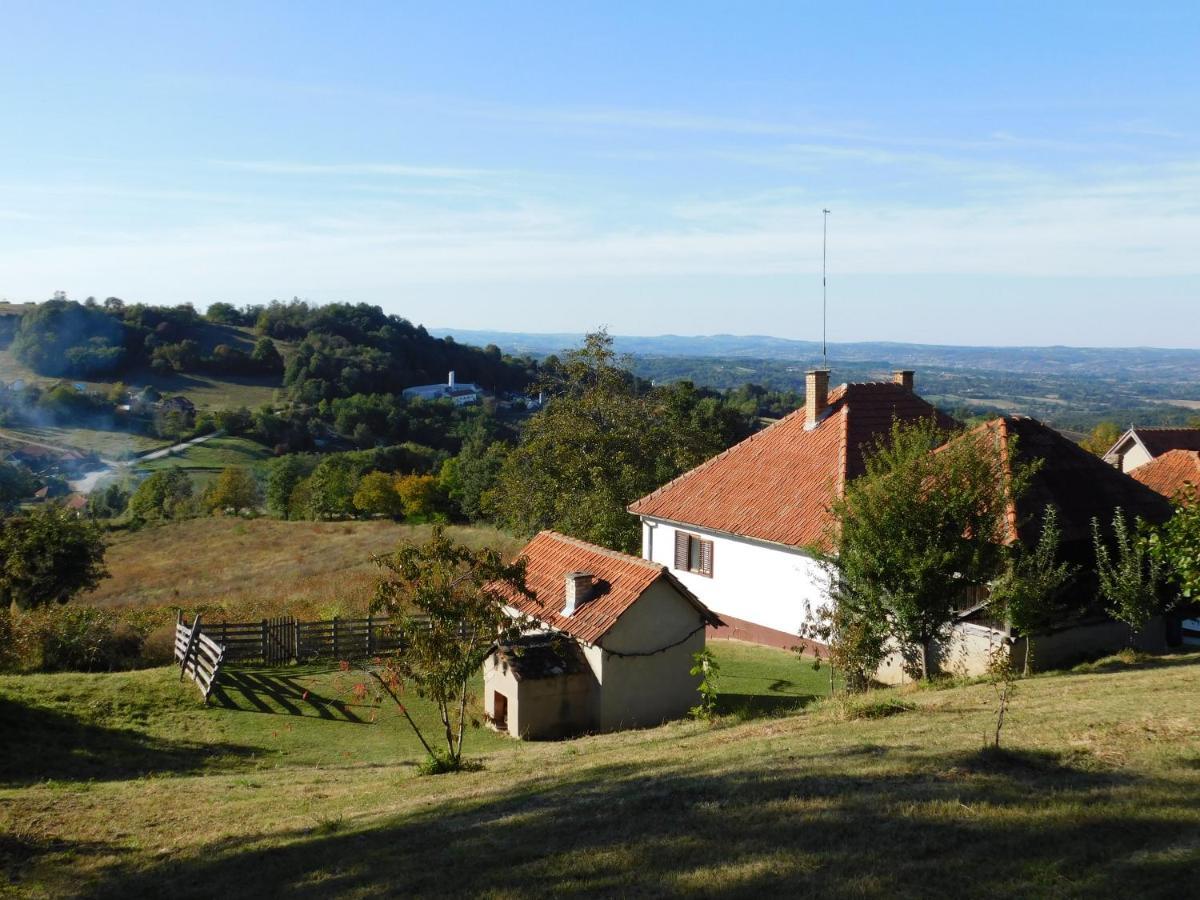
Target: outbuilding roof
{"points": [[618, 581], [777, 485], [1168, 473], [1079, 485]]}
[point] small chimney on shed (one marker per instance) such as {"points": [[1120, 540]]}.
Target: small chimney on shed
{"points": [[904, 378], [451, 380], [816, 396], [579, 591]]}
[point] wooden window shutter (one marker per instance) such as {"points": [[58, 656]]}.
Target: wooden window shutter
{"points": [[706, 555], [681, 550]]}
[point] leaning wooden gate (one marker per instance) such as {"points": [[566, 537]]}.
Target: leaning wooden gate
{"points": [[198, 655]]}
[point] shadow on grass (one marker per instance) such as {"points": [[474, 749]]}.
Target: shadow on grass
{"points": [[910, 825], [38, 744], [757, 706], [278, 692]]}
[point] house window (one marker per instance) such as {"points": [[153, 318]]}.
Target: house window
{"points": [[693, 554]]}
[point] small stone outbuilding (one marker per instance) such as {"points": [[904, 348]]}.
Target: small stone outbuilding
{"points": [[612, 647]]}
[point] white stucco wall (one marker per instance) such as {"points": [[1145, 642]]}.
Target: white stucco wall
{"points": [[767, 584], [1127, 455], [646, 690]]}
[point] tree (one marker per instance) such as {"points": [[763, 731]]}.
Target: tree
{"points": [[1102, 438], [1025, 593], [420, 495], [601, 442], [331, 488], [283, 474], [1176, 544], [266, 356], [470, 477], [1129, 574], [376, 496], [235, 488], [62, 337], [16, 483], [163, 495], [48, 556], [450, 604], [914, 533]]}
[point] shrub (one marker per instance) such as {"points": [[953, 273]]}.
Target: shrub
{"points": [[81, 638], [158, 649], [874, 707]]}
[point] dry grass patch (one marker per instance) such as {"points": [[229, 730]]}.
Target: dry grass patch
{"points": [[260, 567]]}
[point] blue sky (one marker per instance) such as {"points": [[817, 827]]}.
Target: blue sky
{"points": [[998, 174]]}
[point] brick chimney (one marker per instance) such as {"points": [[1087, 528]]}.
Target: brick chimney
{"points": [[904, 378], [579, 591], [816, 397]]}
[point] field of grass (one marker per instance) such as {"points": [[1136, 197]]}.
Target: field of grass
{"points": [[123, 785], [259, 566], [205, 461], [109, 444], [206, 391]]}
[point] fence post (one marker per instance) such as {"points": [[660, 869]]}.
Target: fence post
{"points": [[296, 638], [264, 640], [188, 650], [336, 655], [370, 635]]}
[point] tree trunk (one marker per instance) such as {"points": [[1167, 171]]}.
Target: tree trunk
{"points": [[927, 660]]}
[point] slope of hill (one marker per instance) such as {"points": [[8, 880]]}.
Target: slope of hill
{"points": [[1099, 795]]}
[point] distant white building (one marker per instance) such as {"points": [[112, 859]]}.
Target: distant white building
{"points": [[461, 394], [1140, 445]]}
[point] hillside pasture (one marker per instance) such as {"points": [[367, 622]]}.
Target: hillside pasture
{"points": [[1096, 794], [260, 567], [204, 461]]}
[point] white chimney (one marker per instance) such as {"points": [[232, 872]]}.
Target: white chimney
{"points": [[579, 591], [450, 380], [816, 397], [904, 378]]}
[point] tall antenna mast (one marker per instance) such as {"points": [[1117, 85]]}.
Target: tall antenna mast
{"points": [[824, 302]]}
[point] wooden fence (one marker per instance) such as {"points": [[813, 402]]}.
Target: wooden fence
{"points": [[198, 655], [285, 639]]}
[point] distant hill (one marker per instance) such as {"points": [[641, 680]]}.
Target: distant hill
{"points": [[1145, 362]]}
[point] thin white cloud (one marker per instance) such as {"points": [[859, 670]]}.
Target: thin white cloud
{"points": [[400, 170]]}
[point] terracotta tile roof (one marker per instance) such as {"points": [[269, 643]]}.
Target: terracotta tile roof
{"points": [[619, 580], [1080, 485], [1158, 440], [1168, 473], [777, 484]]}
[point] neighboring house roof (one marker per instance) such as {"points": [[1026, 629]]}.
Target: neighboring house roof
{"points": [[1080, 485], [777, 484], [1168, 473], [618, 578], [1157, 440]]}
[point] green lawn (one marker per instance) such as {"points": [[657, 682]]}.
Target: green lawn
{"points": [[124, 785], [110, 444], [210, 457]]}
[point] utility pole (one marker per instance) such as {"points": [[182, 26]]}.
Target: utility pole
{"points": [[824, 301]]}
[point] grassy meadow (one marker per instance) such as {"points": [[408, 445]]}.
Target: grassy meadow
{"points": [[259, 566], [125, 785]]}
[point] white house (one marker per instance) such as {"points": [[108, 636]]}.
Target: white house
{"points": [[612, 648], [1139, 445], [462, 394], [740, 529]]}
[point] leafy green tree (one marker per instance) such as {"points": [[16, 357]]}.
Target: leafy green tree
{"points": [[1102, 437], [109, 502], [48, 556], [1026, 592], [450, 603], [1130, 575], [62, 337], [235, 488], [331, 488], [420, 495], [1176, 544], [266, 355], [470, 477], [16, 483], [376, 496], [915, 532], [601, 442], [163, 495], [283, 474]]}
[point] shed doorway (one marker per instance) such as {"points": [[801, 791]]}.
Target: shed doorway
{"points": [[500, 710]]}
